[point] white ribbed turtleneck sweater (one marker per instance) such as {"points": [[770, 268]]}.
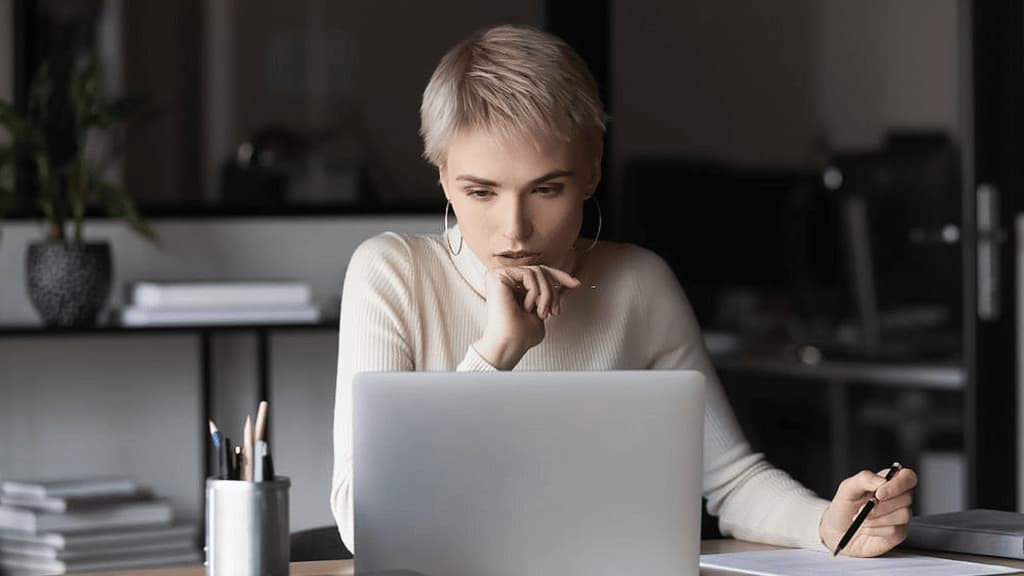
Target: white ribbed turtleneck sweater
{"points": [[408, 304]]}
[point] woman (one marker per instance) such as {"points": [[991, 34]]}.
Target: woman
{"points": [[512, 120]]}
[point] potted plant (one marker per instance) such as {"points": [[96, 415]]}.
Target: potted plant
{"points": [[68, 278]]}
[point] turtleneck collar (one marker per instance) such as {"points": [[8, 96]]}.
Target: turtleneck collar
{"points": [[472, 269]]}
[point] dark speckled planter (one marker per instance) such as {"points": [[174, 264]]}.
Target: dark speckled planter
{"points": [[68, 283]]}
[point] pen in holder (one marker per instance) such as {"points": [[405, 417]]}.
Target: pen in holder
{"points": [[247, 527]]}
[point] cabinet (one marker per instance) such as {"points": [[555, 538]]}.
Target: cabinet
{"points": [[824, 419]]}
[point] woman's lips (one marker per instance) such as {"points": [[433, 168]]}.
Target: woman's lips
{"points": [[519, 257]]}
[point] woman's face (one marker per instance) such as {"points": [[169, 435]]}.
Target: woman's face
{"points": [[518, 203]]}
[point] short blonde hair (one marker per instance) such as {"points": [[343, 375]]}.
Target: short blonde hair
{"points": [[515, 81]]}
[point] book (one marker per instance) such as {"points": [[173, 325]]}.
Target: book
{"points": [[71, 503], [136, 535], [977, 531], [126, 514], [20, 566], [136, 316], [29, 551], [219, 294], [69, 487]]}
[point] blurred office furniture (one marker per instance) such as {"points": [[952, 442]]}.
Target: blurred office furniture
{"points": [[278, 166], [869, 238], [205, 334], [829, 296], [322, 543]]}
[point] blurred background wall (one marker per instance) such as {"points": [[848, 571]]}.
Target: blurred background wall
{"points": [[281, 134]]}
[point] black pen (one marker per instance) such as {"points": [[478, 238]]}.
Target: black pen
{"points": [[236, 468], [268, 466], [864, 512], [229, 459]]}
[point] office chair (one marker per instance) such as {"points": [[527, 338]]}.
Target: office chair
{"points": [[322, 543]]}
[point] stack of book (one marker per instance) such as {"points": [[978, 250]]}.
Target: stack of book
{"points": [[191, 303], [88, 525]]}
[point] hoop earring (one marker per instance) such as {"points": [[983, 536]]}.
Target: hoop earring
{"points": [[600, 223], [445, 229]]}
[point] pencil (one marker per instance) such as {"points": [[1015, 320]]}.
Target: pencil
{"points": [[261, 421], [864, 512], [247, 449]]}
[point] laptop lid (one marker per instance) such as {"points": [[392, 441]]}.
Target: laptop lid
{"points": [[512, 473]]}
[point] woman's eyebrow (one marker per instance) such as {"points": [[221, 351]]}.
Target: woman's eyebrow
{"points": [[485, 182], [477, 180], [550, 176]]}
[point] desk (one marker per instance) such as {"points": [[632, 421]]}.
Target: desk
{"points": [[913, 384], [344, 567]]}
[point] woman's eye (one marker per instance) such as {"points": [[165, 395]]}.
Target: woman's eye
{"points": [[478, 193], [553, 189]]}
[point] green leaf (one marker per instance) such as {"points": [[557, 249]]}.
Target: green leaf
{"points": [[119, 204], [84, 95]]}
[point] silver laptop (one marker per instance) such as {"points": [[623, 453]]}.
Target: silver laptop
{"points": [[513, 473]]}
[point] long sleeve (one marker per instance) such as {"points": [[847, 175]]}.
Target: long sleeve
{"points": [[409, 304], [373, 331], [379, 323], [752, 499]]}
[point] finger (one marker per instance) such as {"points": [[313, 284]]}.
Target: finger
{"points": [[564, 280], [894, 518], [529, 281], [894, 534], [511, 277], [562, 277], [554, 305], [888, 506], [857, 486], [545, 292], [904, 481]]}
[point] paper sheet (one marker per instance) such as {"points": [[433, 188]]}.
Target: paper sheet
{"points": [[812, 563]]}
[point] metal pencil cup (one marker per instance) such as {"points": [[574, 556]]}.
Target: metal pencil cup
{"points": [[247, 527]]}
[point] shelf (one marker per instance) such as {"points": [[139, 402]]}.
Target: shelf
{"points": [[932, 376], [42, 330]]}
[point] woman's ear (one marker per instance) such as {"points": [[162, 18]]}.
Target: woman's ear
{"points": [[595, 177], [442, 175]]}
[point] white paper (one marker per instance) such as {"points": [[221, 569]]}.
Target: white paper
{"points": [[812, 563]]}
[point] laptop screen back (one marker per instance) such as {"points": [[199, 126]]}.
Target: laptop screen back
{"points": [[517, 473]]}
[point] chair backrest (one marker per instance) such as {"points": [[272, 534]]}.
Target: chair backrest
{"points": [[322, 543]]}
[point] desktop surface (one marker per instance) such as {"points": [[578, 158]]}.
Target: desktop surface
{"points": [[346, 567]]}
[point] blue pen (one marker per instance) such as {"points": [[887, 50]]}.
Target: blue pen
{"points": [[221, 450], [215, 432]]}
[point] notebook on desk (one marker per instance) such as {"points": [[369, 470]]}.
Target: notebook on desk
{"points": [[513, 473], [978, 531]]}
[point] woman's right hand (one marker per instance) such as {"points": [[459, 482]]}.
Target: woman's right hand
{"points": [[519, 300]]}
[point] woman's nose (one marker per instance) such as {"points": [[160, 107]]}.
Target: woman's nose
{"points": [[517, 223]]}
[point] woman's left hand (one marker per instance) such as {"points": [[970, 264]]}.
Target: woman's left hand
{"points": [[885, 526]]}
